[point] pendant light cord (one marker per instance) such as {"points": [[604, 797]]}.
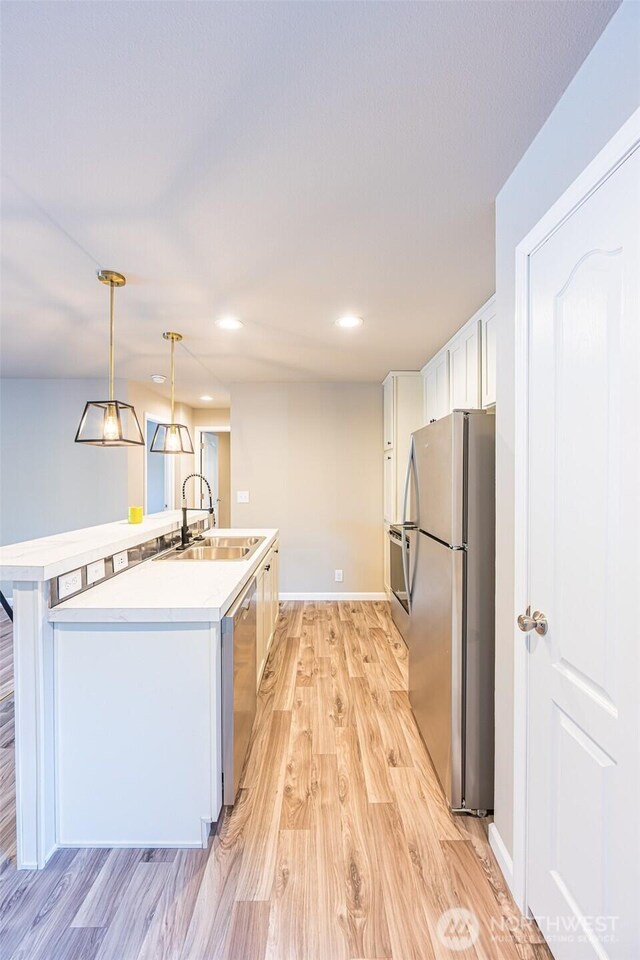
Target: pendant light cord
{"points": [[112, 338], [173, 378]]}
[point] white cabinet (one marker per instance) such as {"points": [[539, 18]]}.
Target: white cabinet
{"points": [[437, 400], [261, 644], [387, 559], [464, 368], [488, 351], [388, 400], [389, 486], [267, 606], [402, 398], [463, 375], [275, 587]]}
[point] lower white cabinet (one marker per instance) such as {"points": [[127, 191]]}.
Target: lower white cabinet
{"points": [[389, 487], [267, 606], [387, 559]]}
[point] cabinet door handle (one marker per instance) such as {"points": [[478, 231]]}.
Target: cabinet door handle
{"points": [[268, 566]]}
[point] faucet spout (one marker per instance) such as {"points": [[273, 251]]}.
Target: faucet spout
{"points": [[185, 535]]}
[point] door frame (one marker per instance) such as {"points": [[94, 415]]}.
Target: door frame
{"points": [[198, 431], [617, 150], [169, 469]]}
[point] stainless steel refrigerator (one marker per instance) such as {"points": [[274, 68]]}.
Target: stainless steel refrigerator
{"points": [[449, 556]]}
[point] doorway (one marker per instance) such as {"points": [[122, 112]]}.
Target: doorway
{"points": [[576, 761], [159, 473], [213, 461]]}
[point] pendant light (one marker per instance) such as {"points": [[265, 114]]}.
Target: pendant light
{"points": [[110, 423], [172, 437]]}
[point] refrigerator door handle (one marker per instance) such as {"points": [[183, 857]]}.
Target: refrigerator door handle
{"points": [[411, 469], [407, 525], [405, 567]]}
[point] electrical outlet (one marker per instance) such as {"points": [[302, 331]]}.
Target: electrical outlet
{"points": [[338, 576], [242, 496], [69, 583], [120, 561], [95, 571]]}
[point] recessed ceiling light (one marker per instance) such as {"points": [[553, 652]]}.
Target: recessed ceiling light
{"points": [[206, 398], [229, 323], [158, 377], [348, 322]]}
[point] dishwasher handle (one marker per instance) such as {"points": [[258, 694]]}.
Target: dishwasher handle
{"points": [[240, 607]]}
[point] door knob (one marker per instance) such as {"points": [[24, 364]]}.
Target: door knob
{"points": [[537, 622]]}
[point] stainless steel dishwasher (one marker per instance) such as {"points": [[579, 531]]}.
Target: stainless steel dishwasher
{"points": [[239, 637]]}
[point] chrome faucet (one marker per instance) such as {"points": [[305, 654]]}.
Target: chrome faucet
{"points": [[185, 535]]}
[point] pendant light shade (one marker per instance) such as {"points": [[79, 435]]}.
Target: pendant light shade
{"points": [[110, 423], [172, 437]]}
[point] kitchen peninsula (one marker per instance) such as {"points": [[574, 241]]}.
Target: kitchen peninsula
{"points": [[118, 674]]}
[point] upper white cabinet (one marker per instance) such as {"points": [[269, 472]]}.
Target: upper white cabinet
{"points": [[402, 398], [464, 368], [437, 402], [462, 376], [488, 339]]}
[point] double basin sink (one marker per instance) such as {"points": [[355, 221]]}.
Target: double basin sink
{"points": [[216, 548]]}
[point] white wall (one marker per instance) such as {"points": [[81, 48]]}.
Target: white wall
{"points": [[310, 455], [48, 483], [601, 97]]}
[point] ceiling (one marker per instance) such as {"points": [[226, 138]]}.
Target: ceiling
{"points": [[284, 162]]}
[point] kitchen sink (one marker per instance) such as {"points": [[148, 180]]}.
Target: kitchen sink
{"points": [[214, 540], [217, 548]]}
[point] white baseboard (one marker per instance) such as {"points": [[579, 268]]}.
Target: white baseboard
{"points": [[333, 596], [500, 852], [131, 845]]}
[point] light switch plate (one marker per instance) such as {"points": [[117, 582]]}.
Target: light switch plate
{"points": [[95, 571], [242, 496], [120, 561], [338, 576], [69, 583]]}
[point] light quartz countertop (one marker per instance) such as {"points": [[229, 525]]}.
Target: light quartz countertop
{"points": [[47, 557], [180, 591]]}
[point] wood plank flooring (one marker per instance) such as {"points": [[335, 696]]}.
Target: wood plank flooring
{"points": [[6, 656], [340, 845]]}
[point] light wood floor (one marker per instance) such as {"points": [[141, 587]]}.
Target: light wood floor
{"points": [[6, 656], [339, 846]]}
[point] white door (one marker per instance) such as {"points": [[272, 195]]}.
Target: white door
{"points": [[209, 466], [584, 575], [159, 475]]}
